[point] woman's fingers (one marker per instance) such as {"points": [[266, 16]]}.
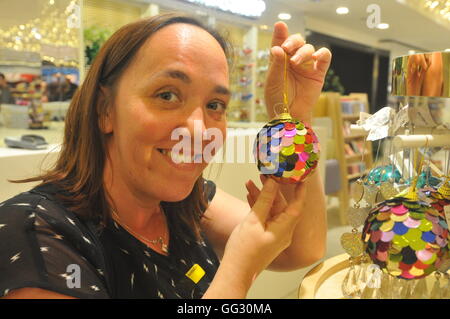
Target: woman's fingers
{"points": [[264, 202], [250, 201], [280, 33], [293, 43], [303, 55], [253, 192], [323, 59], [280, 203], [294, 208]]}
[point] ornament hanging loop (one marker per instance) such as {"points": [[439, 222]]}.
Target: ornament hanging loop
{"points": [[281, 110], [285, 90]]}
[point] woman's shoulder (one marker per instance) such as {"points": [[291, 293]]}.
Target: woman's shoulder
{"points": [[41, 201], [40, 211], [40, 238]]}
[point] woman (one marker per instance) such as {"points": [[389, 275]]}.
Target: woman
{"points": [[117, 218]]}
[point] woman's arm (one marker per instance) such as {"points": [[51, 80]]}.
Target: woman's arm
{"points": [[34, 293], [260, 236], [309, 240], [310, 236]]}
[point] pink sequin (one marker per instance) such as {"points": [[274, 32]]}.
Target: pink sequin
{"points": [[275, 149], [382, 255], [407, 275], [437, 229], [387, 236], [432, 218], [287, 141], [279, 133], [424, 255], [441, 241], [304, 156], [399, 210], [290, 133], [411, 223]]}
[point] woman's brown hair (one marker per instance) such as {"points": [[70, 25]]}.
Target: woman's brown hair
{"points": [[78, 171]]}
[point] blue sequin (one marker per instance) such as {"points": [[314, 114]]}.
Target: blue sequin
{"points": [[428, 237], [275, 141], [278, 174], [400, 228]]}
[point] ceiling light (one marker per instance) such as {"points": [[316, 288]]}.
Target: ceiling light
{"points": [[383, 26], [434, 4], [342, 10], [284, 16]]}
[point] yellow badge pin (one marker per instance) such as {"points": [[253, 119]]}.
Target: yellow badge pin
{"points": [[195, 273]]}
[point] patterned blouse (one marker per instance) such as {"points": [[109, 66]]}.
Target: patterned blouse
{"points": [[44, 245]]}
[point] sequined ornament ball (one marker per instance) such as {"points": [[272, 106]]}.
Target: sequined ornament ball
{"points": [[407, 239], [287, 150]]}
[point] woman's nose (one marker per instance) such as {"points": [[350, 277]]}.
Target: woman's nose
{"points": [[196, 122]]}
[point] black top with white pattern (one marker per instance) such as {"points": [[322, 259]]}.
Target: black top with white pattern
{"points": [[44, 245]]}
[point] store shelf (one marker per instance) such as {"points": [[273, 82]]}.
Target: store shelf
{"points": [[350, 117], [348, 147]]}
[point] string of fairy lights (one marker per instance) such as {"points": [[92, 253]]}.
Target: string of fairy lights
{"points": [[439, 10], [441, 7], [53, 28]]}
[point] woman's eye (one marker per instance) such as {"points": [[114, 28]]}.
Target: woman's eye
{"points": [[168, 96], [217, 106]]}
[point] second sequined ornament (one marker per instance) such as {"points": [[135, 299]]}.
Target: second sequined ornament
{"points": [[407, 239]]}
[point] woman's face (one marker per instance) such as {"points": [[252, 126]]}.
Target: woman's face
{"points": [[178, 79]]}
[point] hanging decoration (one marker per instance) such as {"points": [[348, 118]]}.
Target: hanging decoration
{"points": [[286, 149]]}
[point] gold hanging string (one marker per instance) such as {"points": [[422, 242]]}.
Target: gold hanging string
{"points": [[284, 115], [285, 90]]}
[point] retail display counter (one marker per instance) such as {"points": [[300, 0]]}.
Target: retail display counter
{"points": [[21, 163]]}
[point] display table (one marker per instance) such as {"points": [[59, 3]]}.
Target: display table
{"points": [[53, 134], [324, 281]]}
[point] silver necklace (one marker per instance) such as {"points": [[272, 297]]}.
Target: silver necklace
{"points": [[159, 241]]}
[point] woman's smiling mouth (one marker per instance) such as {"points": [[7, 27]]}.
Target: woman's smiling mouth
{"points": [[181, 160]]}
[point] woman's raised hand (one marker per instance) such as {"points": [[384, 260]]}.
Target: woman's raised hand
{"points": [[306, 72], [267, 230]]}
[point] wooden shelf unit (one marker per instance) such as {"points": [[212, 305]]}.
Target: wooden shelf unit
{"points": [[330, 105]]}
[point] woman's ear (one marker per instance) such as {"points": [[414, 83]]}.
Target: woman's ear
{"points": [[104, 111]]}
